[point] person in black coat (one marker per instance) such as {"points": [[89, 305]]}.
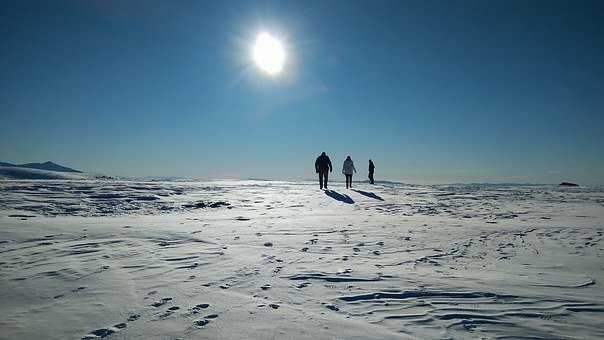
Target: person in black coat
{"points": [[323, 168], [371, 169]]}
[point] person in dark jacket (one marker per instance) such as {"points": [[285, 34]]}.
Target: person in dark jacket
{"points": [[323, 168], [371, 169]]}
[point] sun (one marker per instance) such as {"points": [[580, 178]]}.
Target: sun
{"points": [[268, 54]]}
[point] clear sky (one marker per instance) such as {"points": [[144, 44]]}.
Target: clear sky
{"points": [[432, 91]]}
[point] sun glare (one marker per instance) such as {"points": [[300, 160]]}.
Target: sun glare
{"points": [[268, 54]]}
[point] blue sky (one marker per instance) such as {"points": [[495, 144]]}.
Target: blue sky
{"points": [[432, 91]]}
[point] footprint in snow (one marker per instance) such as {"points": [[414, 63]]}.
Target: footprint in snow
{"points": [[161, 302], [169, 312], [104, 332], [201, 323], [197, 309]]}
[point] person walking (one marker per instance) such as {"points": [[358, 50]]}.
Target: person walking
{"points": [[323, 168], [348, 169], [371, 170]]}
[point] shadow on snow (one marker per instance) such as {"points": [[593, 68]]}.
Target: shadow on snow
{"points": [[368, 194], [340, 197]]}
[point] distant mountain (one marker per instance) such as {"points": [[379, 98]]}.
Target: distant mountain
{"points": [[18, 173], [48, 166]]}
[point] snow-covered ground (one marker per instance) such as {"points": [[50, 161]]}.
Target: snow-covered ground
{"points": [[281, 260]]}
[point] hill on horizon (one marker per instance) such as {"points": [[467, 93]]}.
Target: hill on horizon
{"points": [[48, 166]]}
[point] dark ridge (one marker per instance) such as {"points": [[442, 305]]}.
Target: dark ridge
{"points": [[319, 276], [423, 294], [48, 166]]}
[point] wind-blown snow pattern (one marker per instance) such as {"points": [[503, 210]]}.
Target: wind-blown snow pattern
{"points": [[87, 259]]}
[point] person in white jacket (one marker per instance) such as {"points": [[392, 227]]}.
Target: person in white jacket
{"points": [[348, 169]]}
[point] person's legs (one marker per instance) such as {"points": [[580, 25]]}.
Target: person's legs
{"points": [[348, 181], [325, 175], [371, 177], [321, 179]]}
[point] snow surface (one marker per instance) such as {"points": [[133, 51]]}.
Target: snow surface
{"points": [[280, 260]]}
